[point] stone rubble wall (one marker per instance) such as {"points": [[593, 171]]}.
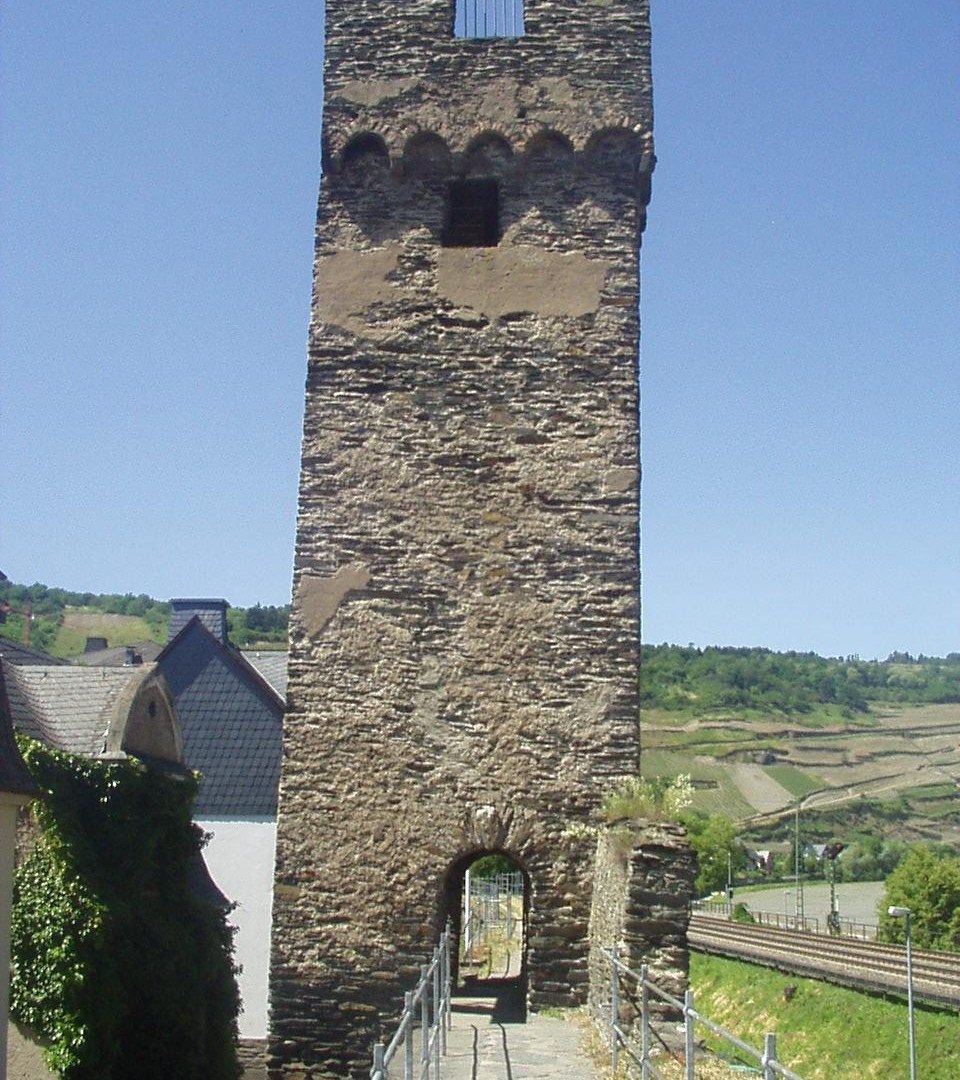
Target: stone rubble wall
{"points": [[465, 627], [643, 888], [582, 66]]}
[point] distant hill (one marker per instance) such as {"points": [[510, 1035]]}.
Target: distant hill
{"points": [[871, 747], [61, 620], [700, 682]]}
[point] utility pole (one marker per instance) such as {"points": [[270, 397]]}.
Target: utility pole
{"points": [[729, 880], [798, 906]]}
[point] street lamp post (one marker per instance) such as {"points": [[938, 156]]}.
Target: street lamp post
{"points": [[905, 913]]}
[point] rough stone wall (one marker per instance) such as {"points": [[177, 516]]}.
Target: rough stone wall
{"points": [[642, 888], [466, 624]]}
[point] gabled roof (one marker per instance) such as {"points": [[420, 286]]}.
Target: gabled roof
{"points": [[95, 712], [14, 777], [231, 720], [15, 653], [272, 666]]}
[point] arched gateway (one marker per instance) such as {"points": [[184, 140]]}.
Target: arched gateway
{"points": [[465, 627]]}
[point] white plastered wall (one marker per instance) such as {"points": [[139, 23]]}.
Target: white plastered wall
{"points": [[240, 857]]}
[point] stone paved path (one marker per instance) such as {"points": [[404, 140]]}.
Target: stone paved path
{"points": [[488, 1042]]}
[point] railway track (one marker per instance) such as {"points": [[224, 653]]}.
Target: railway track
{"points": [[863, 965]]}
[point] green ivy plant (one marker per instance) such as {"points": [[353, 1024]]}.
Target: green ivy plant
{"points": [[114, 962]]}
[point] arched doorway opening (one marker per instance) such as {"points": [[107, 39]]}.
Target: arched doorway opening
{"points": [[488, 905]]}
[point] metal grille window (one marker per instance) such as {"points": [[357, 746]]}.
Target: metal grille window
{"points": [[487, 18]]}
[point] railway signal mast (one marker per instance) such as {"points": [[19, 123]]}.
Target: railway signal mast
{"points": [[831, 851]]}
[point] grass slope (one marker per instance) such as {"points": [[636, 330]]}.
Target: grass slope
{"points": [[79, 624], [824, 1032]]}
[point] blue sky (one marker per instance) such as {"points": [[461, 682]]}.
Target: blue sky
{"points": [[800, 376]]}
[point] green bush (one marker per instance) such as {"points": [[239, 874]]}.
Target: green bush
{"points": [[660, 798], [741, 914]]}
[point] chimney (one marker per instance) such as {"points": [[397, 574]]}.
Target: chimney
{"points": [[212, 613]]}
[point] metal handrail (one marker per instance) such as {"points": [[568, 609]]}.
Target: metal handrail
{"points": [[432, 994], [848, 927], [766, 1058]]}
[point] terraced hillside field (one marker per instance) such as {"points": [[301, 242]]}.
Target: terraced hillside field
{"points": [[906, 759]]}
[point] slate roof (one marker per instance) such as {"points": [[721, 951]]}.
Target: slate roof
{"points": [[14, 776], [212, 613], [66, 707], [272, 666], [14, 653], [117, 655], [231, 722]]}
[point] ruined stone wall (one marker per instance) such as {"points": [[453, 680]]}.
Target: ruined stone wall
{"points": [[465, 624], [643, 884]]}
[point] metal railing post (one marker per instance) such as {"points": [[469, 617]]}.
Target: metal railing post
{"points": [[770, 1067], [424, 1021], [688, 1041], [437, 1011], [644, 1025], [769, 1056], [379, 1069], [445, 1017], [614, 1009], [408, 1036]]}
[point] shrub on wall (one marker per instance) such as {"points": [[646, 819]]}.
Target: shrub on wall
{"points": [[115, 962]]}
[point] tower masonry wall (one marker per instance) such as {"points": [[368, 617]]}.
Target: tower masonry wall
{"points": [[465, 626]]}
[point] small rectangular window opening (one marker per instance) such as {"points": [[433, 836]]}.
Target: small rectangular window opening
{"points": [[473, 214], [488, 18]]}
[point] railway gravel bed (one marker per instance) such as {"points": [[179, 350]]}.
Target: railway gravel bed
{"points": [[860, 964]]}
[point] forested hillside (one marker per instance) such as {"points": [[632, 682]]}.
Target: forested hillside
{"points": [[700, 681], [142, 618]]}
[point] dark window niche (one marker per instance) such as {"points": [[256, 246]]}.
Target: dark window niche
{"points": [[473, 214]]}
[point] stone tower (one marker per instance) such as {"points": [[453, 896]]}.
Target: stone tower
{"points": [[465, 632]]}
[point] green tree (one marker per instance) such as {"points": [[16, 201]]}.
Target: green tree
{"points": [[713, 838], [929, 885]]}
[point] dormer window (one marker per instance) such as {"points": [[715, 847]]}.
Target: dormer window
{"points": [[473, 214], [488, 18]]}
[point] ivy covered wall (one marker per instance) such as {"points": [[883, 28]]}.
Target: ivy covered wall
{"points": [[116, 961]]}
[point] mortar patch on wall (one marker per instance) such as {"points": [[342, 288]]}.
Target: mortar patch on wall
{"points": [[348, 282], [512, 280], [373, 91], [321, 597]]}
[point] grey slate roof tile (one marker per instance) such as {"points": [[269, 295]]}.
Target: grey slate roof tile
{"points": [[66, 707], [14, 653], [211, 612], [231, 721], [117, 655], [272, 666], [14, 776]]}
